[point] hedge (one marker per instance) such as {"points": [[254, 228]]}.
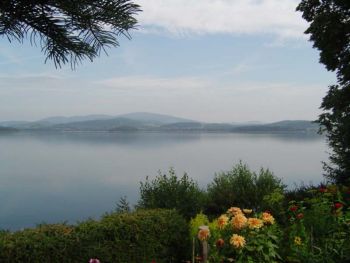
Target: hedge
{"points": [[142, 236]]}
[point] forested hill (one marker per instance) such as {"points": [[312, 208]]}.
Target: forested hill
{"points": [[153, 122]]}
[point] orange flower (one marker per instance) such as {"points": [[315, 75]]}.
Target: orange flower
{"points": [[222, 221], [239, 221], [255, 223], [234, 211], [203, 234], [237, 241], [220, 243], [268, 218], [247, 211]]}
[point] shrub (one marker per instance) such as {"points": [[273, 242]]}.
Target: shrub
{"points": [[169, 191], [143, 236], [320, 227], [241, 187]]}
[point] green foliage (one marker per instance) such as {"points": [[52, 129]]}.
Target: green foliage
{"points": [[300, 192], [322, 225], [143, 236], [330, 33], [68, 31], [123, 206], [199, 220], [170, 191], [329, 20], [274, 202], [242, 187], [336, 123]]}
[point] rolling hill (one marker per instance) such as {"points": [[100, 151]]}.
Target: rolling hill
{"points": [[143, 121]]}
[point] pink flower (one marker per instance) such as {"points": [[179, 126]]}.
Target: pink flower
{"points": [[94, 260], [293, 208], [338, 205], [300, 215], [323, 189]]}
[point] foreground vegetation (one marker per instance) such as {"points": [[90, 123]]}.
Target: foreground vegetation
{"points": [[141, 236], [251, 217], [310, 223]]}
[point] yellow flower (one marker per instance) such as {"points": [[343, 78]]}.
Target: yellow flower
{"points": [[297, 241], [203, 234], [222, 221], [268, 218], [255, 223], [237, 241], [234, 211], [247, 211], [239, 221]]}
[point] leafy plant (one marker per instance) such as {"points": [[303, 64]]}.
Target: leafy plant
{"points": [[123, 206], [241, 187], [68, 31], [142, 236], [170, 191], [320, 227], [329, 20]]}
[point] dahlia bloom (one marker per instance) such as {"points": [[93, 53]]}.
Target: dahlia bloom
{"points": [[247, 211], [203, 234], [268, 218], [255, 223], [239, 221], [220, 243], [234, 211], [237, 241], [222, 221]]}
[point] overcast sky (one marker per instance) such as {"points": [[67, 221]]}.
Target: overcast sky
{"points": [[208, 60]]}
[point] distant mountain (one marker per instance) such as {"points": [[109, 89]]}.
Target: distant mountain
{"points": [[184, 126], [7, 129], [62, 119], [297, 124], [114, 124], [12, 123], [281, 126], [143, 121], [153, 118]]}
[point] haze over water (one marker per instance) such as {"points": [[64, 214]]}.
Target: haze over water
{"points": [[55, 177]]}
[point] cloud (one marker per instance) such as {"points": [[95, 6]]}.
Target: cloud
{"points": [[147, 83], [204, 98], [277, 17]]}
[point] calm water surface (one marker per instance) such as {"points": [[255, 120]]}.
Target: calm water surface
{"points": [[72, 176]]}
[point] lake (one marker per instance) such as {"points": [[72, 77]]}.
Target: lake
{"points": [[56, 177]]}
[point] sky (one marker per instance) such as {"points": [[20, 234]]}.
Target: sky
{"points": [[206, 60]]}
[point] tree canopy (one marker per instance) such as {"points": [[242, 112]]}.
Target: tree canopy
{"points": [[68, 31], [330, 33]]}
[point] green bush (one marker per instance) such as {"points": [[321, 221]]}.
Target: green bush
{"points": [[142, 236], [170, 191], [243, 188], [322, 225]]}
